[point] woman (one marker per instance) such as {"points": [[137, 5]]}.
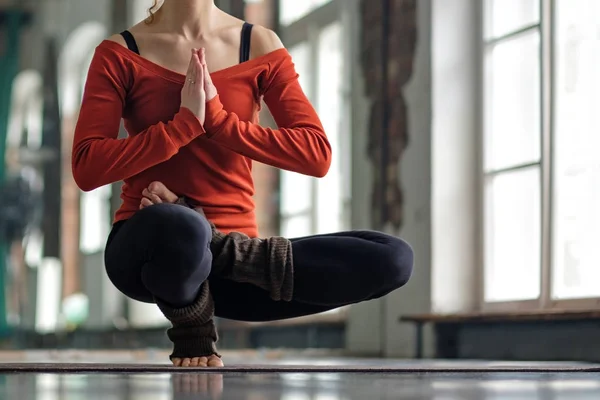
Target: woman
{"points": [[188, 84]]}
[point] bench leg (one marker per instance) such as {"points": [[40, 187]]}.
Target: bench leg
{"points": [[419, 341]]}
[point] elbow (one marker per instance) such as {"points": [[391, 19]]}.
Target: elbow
{"points": [[320, 168], [85, 180]]}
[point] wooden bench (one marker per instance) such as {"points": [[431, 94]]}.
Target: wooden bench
{"points": [[445, 321]]}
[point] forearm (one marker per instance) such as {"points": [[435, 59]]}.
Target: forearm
{"points": [[98, 160], [299, 147]]}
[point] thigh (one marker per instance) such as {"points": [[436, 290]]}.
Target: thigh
{"points": [[349, 267], [246, 302], [154, 233], [330, 271]]}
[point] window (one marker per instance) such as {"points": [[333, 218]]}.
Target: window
{"points": [[95, 219], [541, 176], [292, 10], [576, 140], [74, 63], [310, 205]]}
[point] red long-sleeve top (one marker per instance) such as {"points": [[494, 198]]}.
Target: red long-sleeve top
{"points": [[211, 163]]}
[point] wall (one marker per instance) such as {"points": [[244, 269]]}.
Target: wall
{"points": [[416, 181], [373, 327], [363, 331], [455, 150]]}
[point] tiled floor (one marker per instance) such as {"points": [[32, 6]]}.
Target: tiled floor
{"points": [[480, 383]]}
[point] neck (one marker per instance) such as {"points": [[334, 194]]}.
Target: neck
{"points": [[191, 18]]}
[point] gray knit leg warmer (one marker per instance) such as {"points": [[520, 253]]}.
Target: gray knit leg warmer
{"points": [[266, 263], [193, 333]]}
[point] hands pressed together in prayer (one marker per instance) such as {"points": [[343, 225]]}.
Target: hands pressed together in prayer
{"points": [[198, 88], [197, 91]]}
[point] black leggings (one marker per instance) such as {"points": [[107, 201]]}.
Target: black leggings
{"points": [[163, 252]]}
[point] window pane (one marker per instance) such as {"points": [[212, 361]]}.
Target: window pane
{"points": [[298, 226], [512, 232], [330, 108], [296, 193], [576, 189], [301, 57], [95, 219], [293, 10], [506, 16], [512, 106]]}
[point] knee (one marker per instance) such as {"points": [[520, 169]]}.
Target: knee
{"points": [[174, 223], [182, 236], [397, 263]]}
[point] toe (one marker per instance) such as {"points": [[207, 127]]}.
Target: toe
{"points": [[194, 362], [215, 361], [176, 362], [186, 362], [203, 362]]}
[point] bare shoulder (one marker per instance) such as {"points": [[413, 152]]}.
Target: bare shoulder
{"points": [[117, 38], [264, 41], [138, 31]]}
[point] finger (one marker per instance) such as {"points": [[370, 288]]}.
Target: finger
{"points": [[207, 77], [190, 69], [199, 74], [202, 54], [191, 72], [191, 78]]}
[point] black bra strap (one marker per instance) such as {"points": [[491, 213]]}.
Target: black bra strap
{"points": [[245, 42], [130, 40]]}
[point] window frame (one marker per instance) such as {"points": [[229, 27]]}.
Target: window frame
{"points": [[546, 27], [307, 29]]}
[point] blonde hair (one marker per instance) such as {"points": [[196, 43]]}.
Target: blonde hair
{"points": [[152, 12]]}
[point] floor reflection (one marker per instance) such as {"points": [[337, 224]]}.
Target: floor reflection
{"points": [[301, 386]]}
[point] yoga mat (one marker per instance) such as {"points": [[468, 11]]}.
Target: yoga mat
{"points": [[403, 368]]}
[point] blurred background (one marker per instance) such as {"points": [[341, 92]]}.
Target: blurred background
{"points": [[468, 127]]}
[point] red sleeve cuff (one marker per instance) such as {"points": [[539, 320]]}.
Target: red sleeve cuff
{"points": [[215, 116], [186, 126]]}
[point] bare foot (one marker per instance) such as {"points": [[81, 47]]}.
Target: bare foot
{"points": [[157, 193], [211, 361]]}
